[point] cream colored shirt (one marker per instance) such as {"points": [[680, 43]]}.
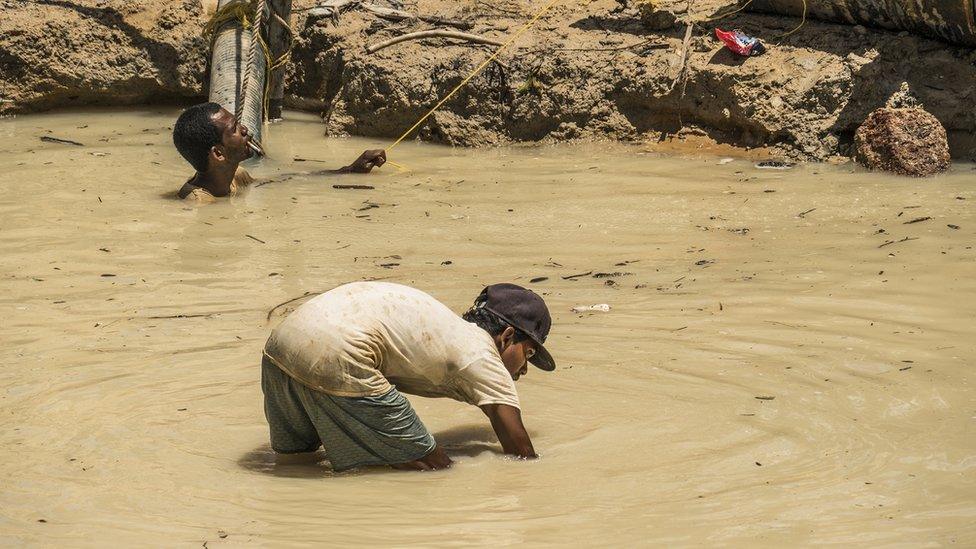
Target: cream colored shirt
{"points": [[193, 193], [361, 339]]}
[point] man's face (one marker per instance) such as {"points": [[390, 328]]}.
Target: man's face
{"points": [[234, 137], [515, 356]]}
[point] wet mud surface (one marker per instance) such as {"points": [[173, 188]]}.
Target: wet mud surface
{"points": [[785, 359]]}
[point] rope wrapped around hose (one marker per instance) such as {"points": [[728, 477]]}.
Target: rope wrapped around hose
{"points": [[251, 19]]}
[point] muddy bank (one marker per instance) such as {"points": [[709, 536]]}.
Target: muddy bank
{"points": [[589, 71]]}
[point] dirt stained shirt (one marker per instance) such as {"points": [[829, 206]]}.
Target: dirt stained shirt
{"points": [[193, 193], [361, 339]]}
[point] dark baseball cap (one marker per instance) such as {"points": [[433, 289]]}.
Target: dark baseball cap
{"points": [[525, 311]]}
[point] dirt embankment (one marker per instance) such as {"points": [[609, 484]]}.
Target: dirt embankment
{"points": [[62, 53], [586, 70]]}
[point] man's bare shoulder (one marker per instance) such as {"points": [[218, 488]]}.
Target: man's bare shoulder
{"points": [[200, 196], [191, 192], [242, 180]]}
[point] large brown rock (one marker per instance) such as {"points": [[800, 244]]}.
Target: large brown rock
{"points": [[906, 141]]}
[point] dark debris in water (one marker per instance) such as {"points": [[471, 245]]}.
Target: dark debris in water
{"points": [[610, 275], [61, 141], [917, 220], [774, 165]]}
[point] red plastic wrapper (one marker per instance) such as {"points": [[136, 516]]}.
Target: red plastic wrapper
{"points": [[740, 43]]}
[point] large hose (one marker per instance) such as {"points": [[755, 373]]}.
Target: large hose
{"points": [[230, 71]]}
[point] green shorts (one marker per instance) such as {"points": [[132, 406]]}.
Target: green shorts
{"points": [[379, 430]]}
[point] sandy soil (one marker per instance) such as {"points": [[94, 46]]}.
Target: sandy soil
{"points": [[576, 75]]}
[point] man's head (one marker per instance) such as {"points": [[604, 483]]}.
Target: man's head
{"points": [[518, 320], [207, 136]]}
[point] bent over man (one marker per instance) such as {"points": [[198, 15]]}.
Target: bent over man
{"points": [[334, 371]]}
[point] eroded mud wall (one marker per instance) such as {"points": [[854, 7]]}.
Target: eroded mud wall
{"points": [[950, 20]]}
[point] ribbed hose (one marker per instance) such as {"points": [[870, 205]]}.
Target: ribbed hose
{"points": [[228, 63], [951, 20]]}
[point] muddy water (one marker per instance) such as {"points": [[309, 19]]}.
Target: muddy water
{"points": [[764, 376]]}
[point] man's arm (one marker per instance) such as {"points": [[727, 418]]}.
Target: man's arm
{"points": [[366, 162], [507, 422]]}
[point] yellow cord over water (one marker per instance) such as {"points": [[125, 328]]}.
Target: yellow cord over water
{"points": [[491, 58]]}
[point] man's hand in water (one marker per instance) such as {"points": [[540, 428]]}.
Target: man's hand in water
{"points": [[507, 422], [366, 162]]}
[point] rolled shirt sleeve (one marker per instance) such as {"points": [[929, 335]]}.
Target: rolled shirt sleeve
{"points": [[486, 381]]}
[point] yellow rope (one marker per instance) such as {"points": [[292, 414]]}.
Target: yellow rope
{"points": [[501, 48], [236, 10], [400, 167], [724, 15], [744, 6], [802, 21]]}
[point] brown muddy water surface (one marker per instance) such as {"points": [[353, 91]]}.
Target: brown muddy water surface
{"points": [[764, 375]]}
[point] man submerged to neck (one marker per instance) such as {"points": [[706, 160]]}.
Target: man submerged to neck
{"points": [[214, 142], [205, 187]]}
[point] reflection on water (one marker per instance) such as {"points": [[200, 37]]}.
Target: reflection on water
{"points": [[786, 358]]}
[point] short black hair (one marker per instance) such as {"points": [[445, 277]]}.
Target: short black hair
{"points": [[195, 133], [490, 322]]}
